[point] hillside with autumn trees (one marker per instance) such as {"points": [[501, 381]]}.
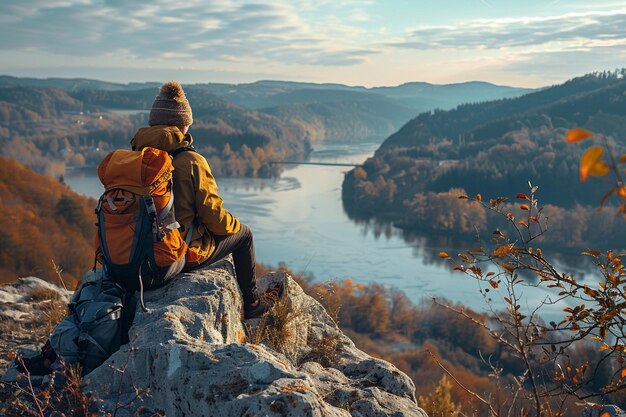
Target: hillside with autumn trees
{"points": [[43, 224], [241, 129], [51, 129], [417, 174]]}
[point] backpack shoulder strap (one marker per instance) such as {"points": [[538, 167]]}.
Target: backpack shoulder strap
{"points": [[181, 150]]}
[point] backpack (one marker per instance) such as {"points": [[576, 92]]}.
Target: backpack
{"points": [[100, 315], [138, 242]]}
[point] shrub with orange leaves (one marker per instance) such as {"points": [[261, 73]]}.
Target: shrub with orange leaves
{"points": [[555, 377]]}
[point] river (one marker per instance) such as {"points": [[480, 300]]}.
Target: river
{"points": [[299, 219]]}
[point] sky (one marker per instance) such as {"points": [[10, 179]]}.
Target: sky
{"points": [[529, 43]]}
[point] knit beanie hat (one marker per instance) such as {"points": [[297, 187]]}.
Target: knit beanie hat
{"points": [[171, 107]]}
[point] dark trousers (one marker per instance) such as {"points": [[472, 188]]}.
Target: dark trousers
{"points": [[241, 245]]}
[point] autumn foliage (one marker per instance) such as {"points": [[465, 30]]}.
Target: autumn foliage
{"points": [[592, 164], [514, 361], [494, 148], [418, 339], [42, 221], [50, 129], [579, 359]]}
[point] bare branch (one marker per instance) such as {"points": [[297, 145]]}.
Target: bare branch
{"points": [[460, 384]]}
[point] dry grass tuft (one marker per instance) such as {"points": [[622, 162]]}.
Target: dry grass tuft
{"points": [[324, 351], [301, 388], [62, 395], [278, 328], [327, 296], [73, 397], [241, 337], [39, 294], [8, 326], [48, 309], [53, 308]]}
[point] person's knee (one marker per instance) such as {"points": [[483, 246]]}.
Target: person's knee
{"points": [[246, 232]]}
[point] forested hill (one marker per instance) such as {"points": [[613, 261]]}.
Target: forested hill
{"points": [[50, 128], [493, 148], [42, 221], [43, 103], [349, 113], [485, 119], [344, 115], [424, 96]]}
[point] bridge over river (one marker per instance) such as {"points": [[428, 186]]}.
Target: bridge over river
{"points": [[333, 164]]}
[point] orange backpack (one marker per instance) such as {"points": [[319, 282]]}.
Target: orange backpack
{"points": [[138, 242]]}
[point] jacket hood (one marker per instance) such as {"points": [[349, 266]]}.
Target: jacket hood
{"points": [[166, 138]]}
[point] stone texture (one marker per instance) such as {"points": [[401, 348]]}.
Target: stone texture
{"points": [[24, 321], [16, 302], [191, 355], [600, 411]]}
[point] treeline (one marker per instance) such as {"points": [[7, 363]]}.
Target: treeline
{"points": [[446, 214], [43, 222], [242, 142], [421, 339], [478, 149]]}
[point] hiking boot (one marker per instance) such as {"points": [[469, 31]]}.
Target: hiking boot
{"points": [[274, 292], [36, 365], [263, 304], [256, 310], [40, 364]]}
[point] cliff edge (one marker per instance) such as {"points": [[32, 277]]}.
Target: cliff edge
{"points": [[191, 355]]}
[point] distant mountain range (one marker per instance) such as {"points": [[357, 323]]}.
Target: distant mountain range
{"points": [[372, 112], [71, 84], [417, 96], [283, 119]]}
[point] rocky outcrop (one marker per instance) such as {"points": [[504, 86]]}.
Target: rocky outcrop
{"points": [[604, 411], [192, 355]]}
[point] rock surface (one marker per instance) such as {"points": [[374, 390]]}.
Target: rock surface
{"points": [[29, 307], [192, 355], [604, 411]]}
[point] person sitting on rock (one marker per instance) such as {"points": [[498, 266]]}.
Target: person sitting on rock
{"points": [[212, 232]]}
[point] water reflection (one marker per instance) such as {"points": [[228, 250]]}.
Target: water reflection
{"points": [[255, 185]]}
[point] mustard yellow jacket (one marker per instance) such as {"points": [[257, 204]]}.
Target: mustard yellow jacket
{"points": [[196, 198]]}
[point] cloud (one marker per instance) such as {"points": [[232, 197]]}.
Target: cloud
{"points": [[302, 38], [561, 64], [198, 30], [547, 49], [567, 32]]}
